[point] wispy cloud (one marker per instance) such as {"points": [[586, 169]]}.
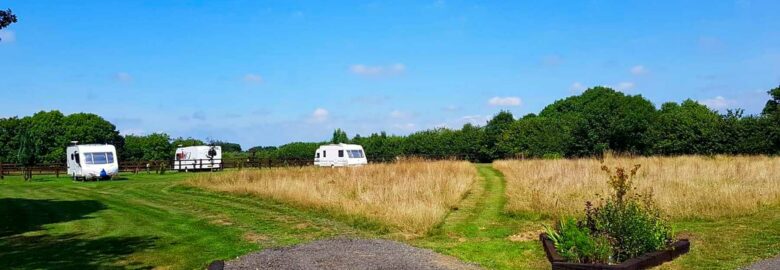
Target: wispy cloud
{"points": [[400, 114], [405, 127], [253, 78], [638, 70], [7, 36], [718, 103], [505, 101], [123, 77], [451, 108], [625, 86], [366, 70], [577, 87], [319, 115]]}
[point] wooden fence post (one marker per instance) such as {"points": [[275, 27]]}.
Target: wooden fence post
{"points": [[1, 171]]}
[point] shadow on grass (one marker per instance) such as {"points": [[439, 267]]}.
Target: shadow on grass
{"points": [[68, 251], [71, 251], [18, 215]]}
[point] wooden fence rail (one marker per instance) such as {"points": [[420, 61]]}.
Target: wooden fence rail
{"points": [[157, 166]]}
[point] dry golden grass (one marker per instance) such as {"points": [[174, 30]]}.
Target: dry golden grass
{"points": [[683, 187], [411, 196]]}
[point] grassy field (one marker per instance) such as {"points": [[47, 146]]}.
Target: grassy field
{"points": [[411, 196], [160, 221], [728, 206], [683, 187], [142, 222]]}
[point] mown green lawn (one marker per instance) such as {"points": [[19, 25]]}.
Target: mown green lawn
{"points": [[154, 221], [142, 222]]}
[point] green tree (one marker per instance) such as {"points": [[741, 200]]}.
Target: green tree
{"points": [[772, 106], [771, 114], [189, 141], [227, 147], [495, 145], [6, 18], [536, 136], [44, 131], [380, 146], [603, 119], [339, 136], [297, 151], [152, 147], [687, 128], [9, 136], [87, 128]]}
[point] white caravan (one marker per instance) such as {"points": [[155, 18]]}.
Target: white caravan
{"points": [[92, 161], [336, 155], [202, 157]]}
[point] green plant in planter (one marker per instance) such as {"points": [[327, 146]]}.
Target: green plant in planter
{"points": [[577, 243], [624, 225]]}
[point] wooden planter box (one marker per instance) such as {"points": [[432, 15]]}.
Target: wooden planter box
{"points": [[642, 262]]}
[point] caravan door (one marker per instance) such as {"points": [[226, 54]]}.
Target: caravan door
{"points": [[74, 162]]}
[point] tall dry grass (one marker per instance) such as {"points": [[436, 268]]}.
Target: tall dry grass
{"points": [[411, 196], [683, 187]]}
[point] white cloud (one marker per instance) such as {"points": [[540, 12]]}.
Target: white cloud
{"points": [[638, 70], [365, 70], [577, 87], [253, 78], [400, 114], [451, 108], [320, 115], [625, 86], [505, 101], [718, 103], [7, 36], [123, 77], [405, 127]]}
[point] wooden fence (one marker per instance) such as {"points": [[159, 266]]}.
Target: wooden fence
{"points": [[156, 166]]}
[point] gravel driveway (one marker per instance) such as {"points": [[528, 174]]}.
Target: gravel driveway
{"points": [[347, 254], [770, 264]]}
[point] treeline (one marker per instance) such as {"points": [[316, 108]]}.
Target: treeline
{"points": [[598, 120], [43, 137]]}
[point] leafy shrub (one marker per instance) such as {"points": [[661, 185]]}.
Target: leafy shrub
{"points": [[577, 243], [625, 225]]}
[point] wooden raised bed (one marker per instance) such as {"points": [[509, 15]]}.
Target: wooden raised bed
{"points": [[645, 261]]}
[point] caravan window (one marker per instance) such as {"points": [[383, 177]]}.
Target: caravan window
{"points": [[324, 153], [318, 155], [341, 153], [355, 153], [99, 158]]}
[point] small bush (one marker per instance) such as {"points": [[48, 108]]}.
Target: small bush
{"points": [[579, 244], [623, 226]]}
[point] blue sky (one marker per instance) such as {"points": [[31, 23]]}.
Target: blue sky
{"points": [[268, 73]]}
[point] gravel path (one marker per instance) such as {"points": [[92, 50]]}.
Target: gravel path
{"points": [[770, 264], [347, 254]]}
